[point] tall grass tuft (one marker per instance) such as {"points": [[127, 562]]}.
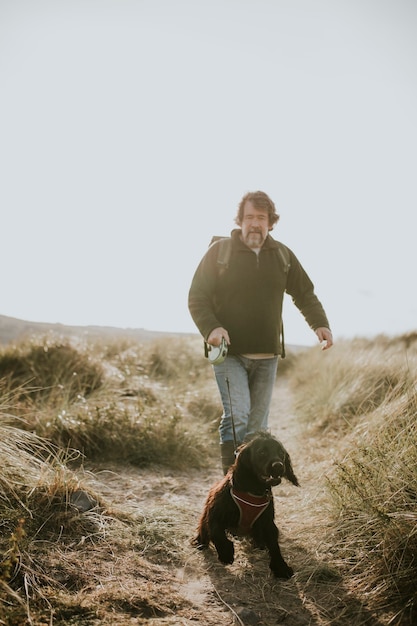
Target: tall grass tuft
{"points": [[129, 404], [133, 432], [49, 369], [35, 480], [36, 511], [333, 390], [59, 401], [176, 359], [36, 486], [375, 490], [365, 393]]}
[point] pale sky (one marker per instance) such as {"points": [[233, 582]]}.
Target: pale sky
{"points": [[130, 129]]}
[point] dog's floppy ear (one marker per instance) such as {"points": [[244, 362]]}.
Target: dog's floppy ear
{"points": [[243, 455], [289, 472]]}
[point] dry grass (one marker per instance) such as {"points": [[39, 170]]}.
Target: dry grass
{"points": [[36, 486], [128, 404], [154, 407], [375, 490], [63, 403], [50, 370], [335, 389], [366, 397]]}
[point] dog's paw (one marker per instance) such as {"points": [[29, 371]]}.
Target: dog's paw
{"points": [[283, 571], [226, 560], [197, 543], [226, 554], [258, 544]]}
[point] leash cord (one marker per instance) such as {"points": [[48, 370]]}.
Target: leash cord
{"points": [[229, 607], [231, 413]]}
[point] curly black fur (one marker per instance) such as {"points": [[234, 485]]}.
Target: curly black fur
{"points": [[260, 464]]}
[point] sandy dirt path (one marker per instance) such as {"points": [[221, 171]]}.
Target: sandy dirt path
{"points": [[246, 593]]}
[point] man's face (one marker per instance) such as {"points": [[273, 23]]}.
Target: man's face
{"points": [[255, 225]]}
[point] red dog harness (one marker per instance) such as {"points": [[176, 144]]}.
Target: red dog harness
{"points": [[250, 508]]}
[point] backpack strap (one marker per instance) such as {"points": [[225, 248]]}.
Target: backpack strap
{"points": [[285, 256], [224, 253]]}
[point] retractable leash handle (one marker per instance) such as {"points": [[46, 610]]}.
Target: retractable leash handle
{"points": [[217, 354]]}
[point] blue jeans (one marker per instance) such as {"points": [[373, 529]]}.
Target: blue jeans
{"points": [[245, 387]]}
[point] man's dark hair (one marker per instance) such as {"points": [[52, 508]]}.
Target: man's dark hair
{"points": [[260, 201]]}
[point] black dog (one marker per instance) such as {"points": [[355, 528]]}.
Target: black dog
{"points": [[242, 502]]}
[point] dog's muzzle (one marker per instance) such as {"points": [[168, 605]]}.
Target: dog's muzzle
{"points": [[276, 472]]}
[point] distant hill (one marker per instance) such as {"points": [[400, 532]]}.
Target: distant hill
{"points": [[12, 329]]}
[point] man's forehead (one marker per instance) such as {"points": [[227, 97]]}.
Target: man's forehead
{"points": [[249, 207]]}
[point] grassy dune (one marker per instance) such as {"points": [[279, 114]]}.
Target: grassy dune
{"points": [[363, 399], [68, 408]]}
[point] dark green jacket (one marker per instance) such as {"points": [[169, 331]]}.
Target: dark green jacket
{"points": [[246, 298]]}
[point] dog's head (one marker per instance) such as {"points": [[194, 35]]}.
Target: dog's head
{"points": [[267, 458]]}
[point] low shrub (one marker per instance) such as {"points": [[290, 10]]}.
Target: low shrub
{"points": [[131, 417], [127, 432], [176, 360], [50, 370]]}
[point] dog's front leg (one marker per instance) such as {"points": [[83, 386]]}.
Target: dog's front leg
{"points": [[278, 566], [225, 548]]}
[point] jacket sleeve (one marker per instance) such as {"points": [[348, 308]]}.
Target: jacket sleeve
{"points": [[301, 289], [202, 291]]}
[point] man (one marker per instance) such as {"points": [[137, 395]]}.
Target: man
{"points": [[242, 304]]}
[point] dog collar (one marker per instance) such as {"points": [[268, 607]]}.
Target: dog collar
{"points": [[250, 508]]}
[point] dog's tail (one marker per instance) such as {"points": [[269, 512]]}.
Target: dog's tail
{"points": [[202, 539], [197, 542]]}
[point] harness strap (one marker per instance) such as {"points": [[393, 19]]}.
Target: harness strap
{"points": [[250, 508]]}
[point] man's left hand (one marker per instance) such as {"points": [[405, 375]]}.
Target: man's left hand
{"points": [[325, 336]]}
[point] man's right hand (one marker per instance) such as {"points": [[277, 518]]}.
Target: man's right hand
{"points": [[216, 336]]}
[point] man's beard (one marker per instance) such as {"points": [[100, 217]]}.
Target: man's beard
{"points": [[254, 239]]}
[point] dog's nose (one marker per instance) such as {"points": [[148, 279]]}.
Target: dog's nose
{"points": [[277, 469]]}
